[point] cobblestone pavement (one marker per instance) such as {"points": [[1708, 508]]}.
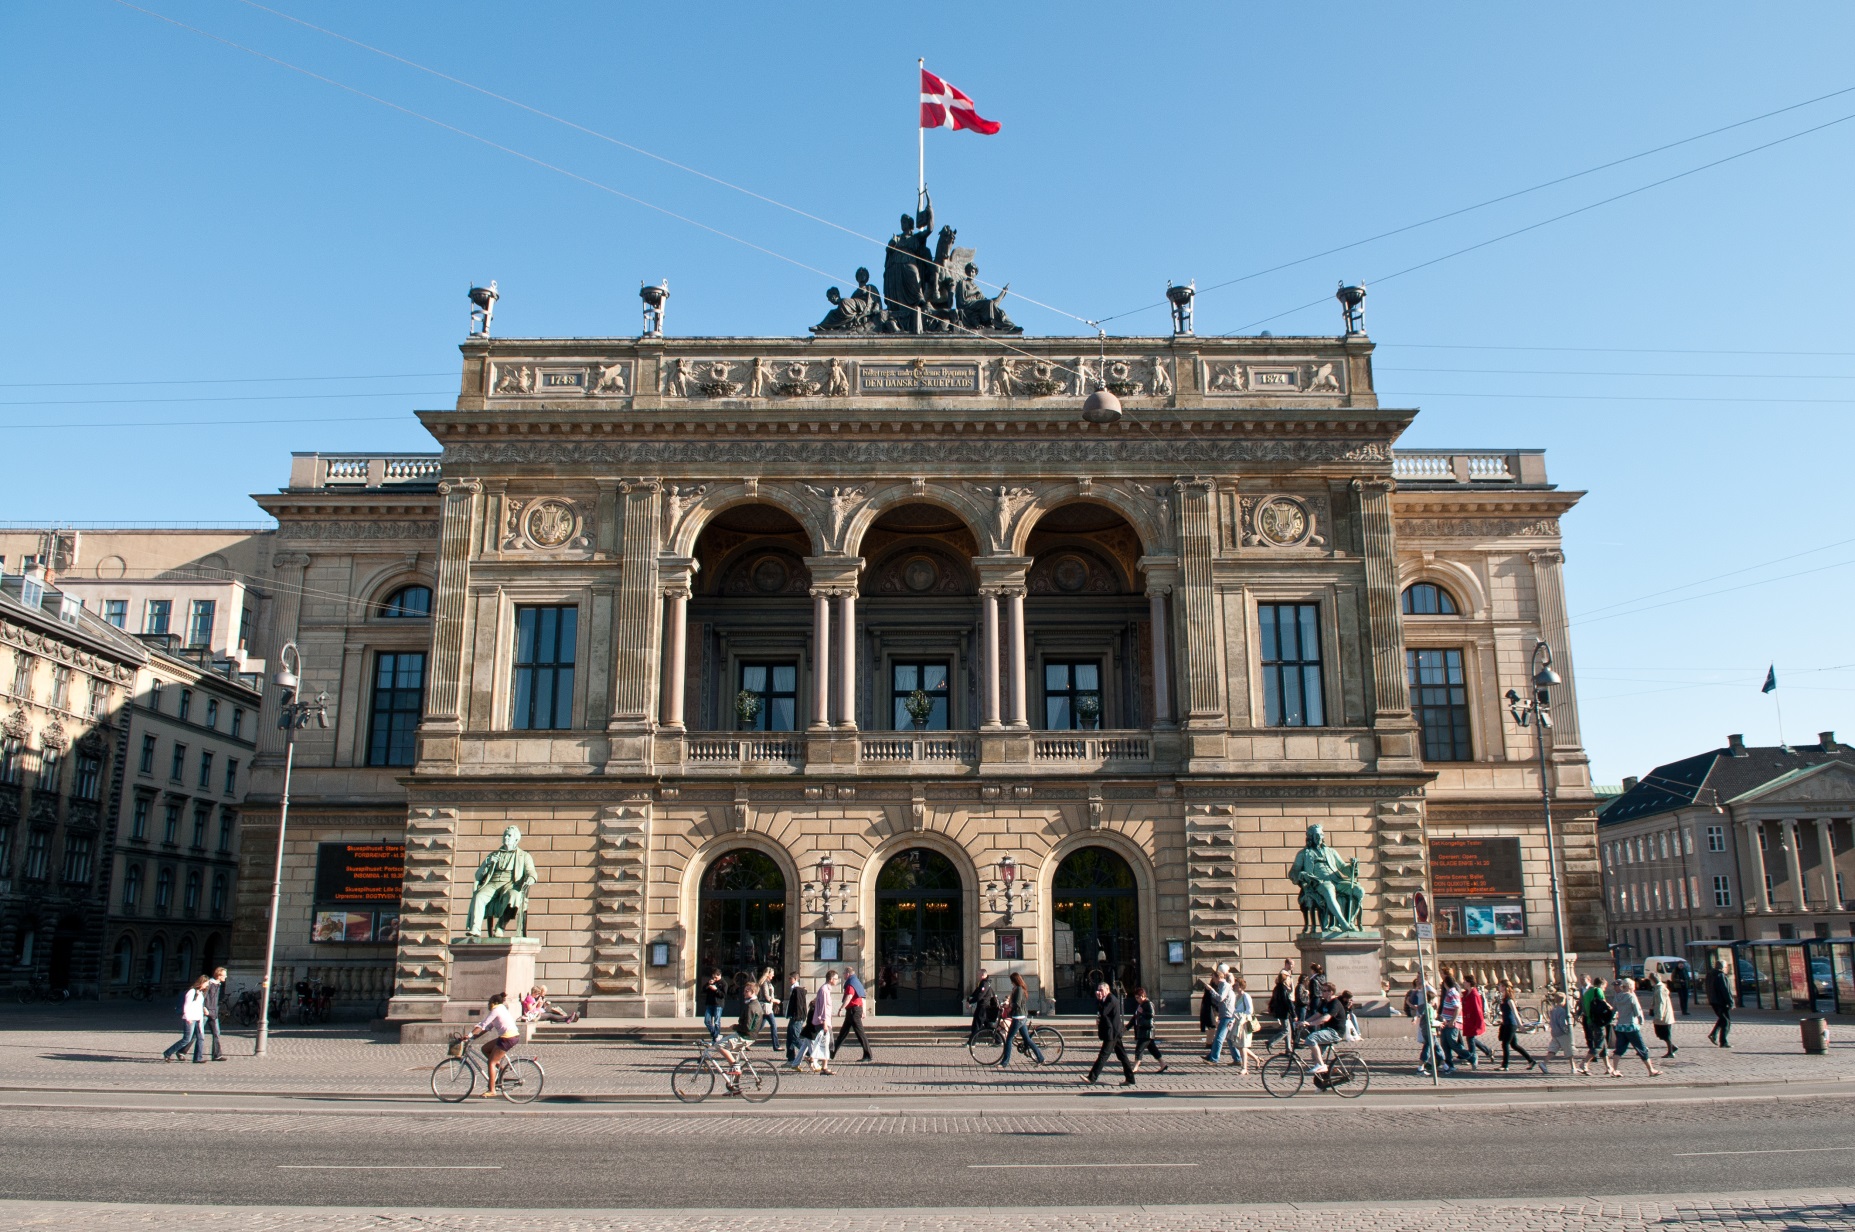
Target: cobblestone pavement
{"points": [[42, 1052], [1799, 1212]]}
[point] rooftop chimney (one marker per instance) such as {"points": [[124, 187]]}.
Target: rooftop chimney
{"points": [[1630, 781], [1735, 745], [1826, 741]]}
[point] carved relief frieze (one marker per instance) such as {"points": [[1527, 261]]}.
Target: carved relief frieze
{"points": [[30, 639], [542, 380], [546, 524], [1229, 378], [906, 455], [1278, 521], [1434, 528], [323, 530]]}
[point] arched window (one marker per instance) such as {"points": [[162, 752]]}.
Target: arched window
{"points": [[1428, 599], [124, 965], [164, 889], [131, 888], [157, 961], [183, 961], [218, 896], [192, 900], [407, 603]]}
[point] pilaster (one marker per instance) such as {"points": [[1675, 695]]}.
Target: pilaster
{"points": [[286, 614], [443, 712], [621, 846], [421, 971], [635, 658], [1393, 724], [1555, 631]]}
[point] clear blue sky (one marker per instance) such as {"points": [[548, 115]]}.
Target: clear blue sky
{"points": [[177, 210]]}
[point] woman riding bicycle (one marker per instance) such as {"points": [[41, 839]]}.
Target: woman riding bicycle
{"points": [[507, 1033]]}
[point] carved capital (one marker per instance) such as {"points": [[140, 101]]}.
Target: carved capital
{"points": [[290, 560], [1377, 484], [467, 487], [1547, 556]]}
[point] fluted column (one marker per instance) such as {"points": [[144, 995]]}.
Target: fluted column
{"points": [[1757, 894], [676, 621], [847, 674], [635, 664], [1826, 855], [1555, 631], [988, 672], [1019, 692], [1794, 854], [1162, 658], [1203, 692], [821, 659]]}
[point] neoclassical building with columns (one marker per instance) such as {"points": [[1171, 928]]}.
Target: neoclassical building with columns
{"points": [[874, 651]]}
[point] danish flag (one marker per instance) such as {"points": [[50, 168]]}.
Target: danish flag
{"points": [[946, 106]]}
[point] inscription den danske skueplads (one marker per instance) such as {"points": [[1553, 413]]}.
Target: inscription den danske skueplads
{"points": [[936, 378]]}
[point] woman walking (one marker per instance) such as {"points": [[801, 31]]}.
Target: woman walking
{"points": [[1282, 1007], [1510, 1030], [1629, 1019], [714, 994], [192, 1014], [1016, 1014], [823, 1012], [1662, 1012], [1474, 1020], [1143, 1031], [769, 1005], [1558, 1031], [1241, 1054]]}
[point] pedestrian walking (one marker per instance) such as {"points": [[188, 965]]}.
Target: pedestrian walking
{"points": [[714, 995], [984, 1003], [1662, 1015], [1143, 1031], [1225, 999], [1558, 1030], [1627, 1016], [769, 1005], [1415, 998], [192, 1010], [798, 1006], [1587, 992], [1017, 1016], [1509, 1031], [1241, 1054], [1599, 1014], [1427, 1045], [1683, 976], [1282, 1006], [853, 1015], [1109, 1029], [1474, 1020], [209, 1024], [818, 1027], [1449, 1021], [1720, 1001], [1207, 1012]]}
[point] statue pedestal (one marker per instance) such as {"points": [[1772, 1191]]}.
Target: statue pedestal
{"points": [[1353, 963], [480, 969]]}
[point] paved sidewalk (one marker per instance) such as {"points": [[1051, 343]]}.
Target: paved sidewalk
{"points": [[1798, 1212], [48, 1052]]}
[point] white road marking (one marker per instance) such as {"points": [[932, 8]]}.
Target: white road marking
{"points": [[1789, 1150], [390, 1167], [1081, 1165]]}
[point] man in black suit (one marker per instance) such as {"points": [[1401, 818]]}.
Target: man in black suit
{"points": [[1720, 1001], [1110, 1028]]}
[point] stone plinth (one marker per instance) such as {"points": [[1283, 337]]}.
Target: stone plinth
{"points": [[1353, 963], [481, 969]]}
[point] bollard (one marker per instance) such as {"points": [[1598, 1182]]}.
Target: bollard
{"points": [[1815, 1034]]}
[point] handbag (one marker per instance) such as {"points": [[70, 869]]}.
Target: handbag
{"points": [[809, 1031]]}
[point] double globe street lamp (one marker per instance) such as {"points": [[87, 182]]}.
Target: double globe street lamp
{"points": [[1536, 711], [291, 715]]}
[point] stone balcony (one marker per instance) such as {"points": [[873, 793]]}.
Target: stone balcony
{"points": [[339, 471], [1524, 468]]}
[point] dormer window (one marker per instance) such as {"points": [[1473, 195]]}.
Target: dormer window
{"points": [[1428, 599], [407, 603]]}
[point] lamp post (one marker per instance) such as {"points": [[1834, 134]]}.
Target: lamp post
{"points": [[1537, 711], [1006, 887], [827, 874], [291, 715]]}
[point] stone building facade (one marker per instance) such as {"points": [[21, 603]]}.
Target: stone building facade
{"points": [[671, 607]]}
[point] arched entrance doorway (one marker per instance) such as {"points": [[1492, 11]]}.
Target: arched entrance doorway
{"points": [[741, 920], [1095, 919], [918, 910]]}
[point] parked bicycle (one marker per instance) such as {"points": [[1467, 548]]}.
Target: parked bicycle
{"points": [[1347, 1075], [314, 1001], [37, 990], [693, 1079], [142, 991], [518, 1079], [988, 1047]]}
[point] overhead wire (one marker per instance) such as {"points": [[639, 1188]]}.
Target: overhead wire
{"points": [[222, 380], [1717, 577]]}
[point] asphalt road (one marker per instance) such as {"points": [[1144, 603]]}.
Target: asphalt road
{"points": [[1123, 1154]]}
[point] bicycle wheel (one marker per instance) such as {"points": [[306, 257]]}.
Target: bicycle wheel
{"points": [[1282, 1075], [453, 1079], [987, 1048], [692, 1080], [139, 993], [1529, 1015], [522, 1080], [759, 1081], [1348, 1076], [1050, 1042]]}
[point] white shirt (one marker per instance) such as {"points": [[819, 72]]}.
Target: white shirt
{"points": [[501, 1020], [193, 1006]]}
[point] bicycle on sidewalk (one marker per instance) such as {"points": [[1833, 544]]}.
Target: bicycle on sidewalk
{"points": [[518, 1079], [988, 1047], [693, 1079]]}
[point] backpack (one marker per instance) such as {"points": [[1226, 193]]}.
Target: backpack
{"points": [[1603, 1013]]}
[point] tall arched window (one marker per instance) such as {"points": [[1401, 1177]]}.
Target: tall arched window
{"points": [[124, 965], [131, 888], [407, 603], [1428, 599]]}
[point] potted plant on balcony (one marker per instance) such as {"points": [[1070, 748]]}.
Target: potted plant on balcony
{"points": [[1088, 712], [920, 708], [746, 708]]}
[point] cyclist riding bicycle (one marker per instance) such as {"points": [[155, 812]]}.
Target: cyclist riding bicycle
{"points": [[735, 1045], [1323, 1024], [508, 1033]]}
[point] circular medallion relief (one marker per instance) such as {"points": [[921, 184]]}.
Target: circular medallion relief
{"points": [[769, 575], [1282, 521], [920, 574], [1071, 573], [550, 523], [112, 567]]}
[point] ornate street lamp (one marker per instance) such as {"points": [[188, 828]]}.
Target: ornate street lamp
{"points": [[1537, 711], [291, 715], [821, 893], [1007, 891]]}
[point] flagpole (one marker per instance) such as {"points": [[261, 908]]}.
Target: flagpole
{"points": [[920, 139]]}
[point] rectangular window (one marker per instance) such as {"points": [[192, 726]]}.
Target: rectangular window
{"points": [[89, 780], [1767, 886], [22, 675], [228, 823], [775, 689], [190, 902], [77, 849], [147, 764], [116, 612], [138, 822], [1716, 838], [1764, 839], [154, 696], [399, 692], [131, 887], [245, 618], [99, 698], [544, 650], [38, 855], [50, 763], [12, 759], [1071, 695], [218, 896], [164, 889], [6, 851], [231, 776], [170, 825], [61, 687], [155, 618], [200, 622], [202, 813], [212, 713], [178, 767], [186, 704], [931, 680], [1440, 696], [238, 721], [1291, 683], [206, 770]]}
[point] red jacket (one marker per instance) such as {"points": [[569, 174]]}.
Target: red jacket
{"points": [[1474, 1012]]}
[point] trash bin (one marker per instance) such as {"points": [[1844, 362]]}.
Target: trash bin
{"points": [[1815, 1034]]}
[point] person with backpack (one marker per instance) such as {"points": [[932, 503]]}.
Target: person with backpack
{"points": [[192, 1012], [853, 1015], [1599, 1014]]}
